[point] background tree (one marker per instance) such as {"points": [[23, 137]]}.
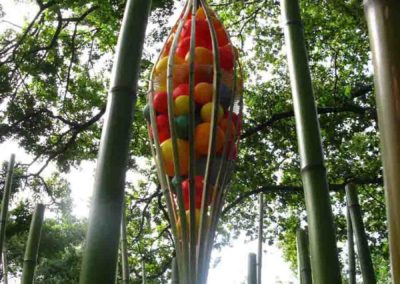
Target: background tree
{"points": [[53, 77]]}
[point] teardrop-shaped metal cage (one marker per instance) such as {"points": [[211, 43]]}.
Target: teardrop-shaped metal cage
{"points": [[195, 116]]}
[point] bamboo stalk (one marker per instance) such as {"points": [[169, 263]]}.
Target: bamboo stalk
{"points": [[303, 257], [324, 258], [101, 251], [5, 265], [124, 249], [174, 272], [32, 246], [260, 237], [383, 19], [6, 197], [252, 269], [367, 268], [144, 280], [350, 244]]}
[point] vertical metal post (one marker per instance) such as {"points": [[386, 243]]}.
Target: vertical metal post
{"points": [[32, 246], [101, 250], [324, 259], [124, 248], [367, 268], [252, 269], [260, 237], [383, 18], [303, 257]]}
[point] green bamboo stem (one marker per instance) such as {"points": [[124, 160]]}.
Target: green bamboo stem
{"points": [[303, 257], [5, 264], [252, 269], [367, 268], [32, 246], [174, 272], [324, 258], [101, 251], [144, 280], [383, 19], [260, 236], [6, 197], [124, 248], [350, 244]]}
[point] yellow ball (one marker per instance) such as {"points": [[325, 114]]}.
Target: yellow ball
{"points": [[202, 56], [206, 112], [181, 105], [167, 154], [162, 64]]}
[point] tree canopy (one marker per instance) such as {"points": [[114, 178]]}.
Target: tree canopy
{"points": [[54, 75]]}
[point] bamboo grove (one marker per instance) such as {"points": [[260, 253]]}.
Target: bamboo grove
{"points": [[320, 182]]}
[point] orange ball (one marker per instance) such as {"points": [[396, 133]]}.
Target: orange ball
{"points": [[225, 124], [206, 112], [162, 64], [167, 154], [203, 93], [202, 138], [202, 55]]}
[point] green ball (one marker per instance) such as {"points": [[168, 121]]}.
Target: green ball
{"points": [[182, 126], [146, 112]]}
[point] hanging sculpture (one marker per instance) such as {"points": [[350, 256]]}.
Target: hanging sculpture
{"points": [[194, 113]]}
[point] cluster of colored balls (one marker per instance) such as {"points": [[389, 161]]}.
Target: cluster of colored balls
{"points": [[228, 122]]}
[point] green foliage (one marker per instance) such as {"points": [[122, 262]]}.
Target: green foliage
{"points": [[53, 85]]}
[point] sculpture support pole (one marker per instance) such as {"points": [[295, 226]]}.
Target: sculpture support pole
{"points": [[383, 17], [101, 251], [324, 259]]}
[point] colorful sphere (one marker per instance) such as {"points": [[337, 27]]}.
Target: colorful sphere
{"points": [[168, 156], [181, 105], [202, 138], [163, 63], [202, 55], [203, 93], [226, 57], [199, 184], [160, 102], [181, 90], [182, 126], [206, 112]]}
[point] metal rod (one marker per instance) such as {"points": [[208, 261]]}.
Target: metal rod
{"points": [[367, 268], [383, 18], [6, 197], [324, 258], [101, 251], [350, 244], [303, 257], [144, 280], [252, 269], [260, 237], [32, 246]]}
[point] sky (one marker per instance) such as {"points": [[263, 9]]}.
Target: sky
{"points": [[232, 267]]}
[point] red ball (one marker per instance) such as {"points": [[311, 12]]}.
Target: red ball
{"points": [[222, 37], [226, 57], [160, 102], [184, 45], [162, 122], [181, 90], [236, 121], [164, 134], [202, 32], [199, 183]]}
